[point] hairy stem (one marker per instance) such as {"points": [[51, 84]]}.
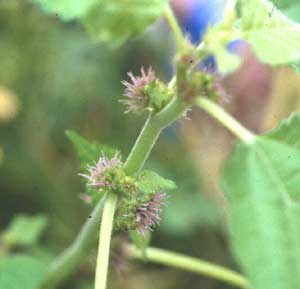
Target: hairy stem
{"points": [[132, 166], [226, 120], [150, 133], [186, 263], [142, 147], [173, 23], [71, 258], [104, 241]]}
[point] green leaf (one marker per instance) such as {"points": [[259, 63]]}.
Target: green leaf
{"points": [[24, 230], [117, 20], [89, 152], [21, 272], [274, 38], [66, 9], [150, 182], [261, 181], [290, 8], [114, 20]]}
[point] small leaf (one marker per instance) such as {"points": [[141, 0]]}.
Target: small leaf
{"points": [[261, 181], [89, 152], [21, 272], [24, 230], [66, 9], [117, 20], [150, 182]]}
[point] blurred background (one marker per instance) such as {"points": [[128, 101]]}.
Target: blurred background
{"points": [[54, 78]]}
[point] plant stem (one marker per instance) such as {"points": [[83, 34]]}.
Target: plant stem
{"points": [[173, 23], [132, 166], [104, 241], [186, 263], [226, 119], [71, 258], [142, 147], [150, 133]]}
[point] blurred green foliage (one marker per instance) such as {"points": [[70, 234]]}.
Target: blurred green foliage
{"points": [[21, 270], [111, 21], [23, 231]]}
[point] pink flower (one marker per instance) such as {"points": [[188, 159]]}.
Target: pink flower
{"points": [[97, 177], [148, 214], [137, 99]]}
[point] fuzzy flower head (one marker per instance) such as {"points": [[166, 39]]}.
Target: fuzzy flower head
{"points": [[103, 174], [135, 91], [148, 213], [213, 83]]}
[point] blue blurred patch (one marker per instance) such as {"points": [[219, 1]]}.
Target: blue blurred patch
{"points": [[235, 45], [198, 15]]}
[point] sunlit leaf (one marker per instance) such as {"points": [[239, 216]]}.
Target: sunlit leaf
{"points": [[117, 20], [261, 181], [290, 8], [274, 37], [114, 21]]}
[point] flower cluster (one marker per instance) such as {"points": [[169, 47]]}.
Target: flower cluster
{"points": [[145, 92], [148, 214], [213, 82], [137, 98], [140, 213], [203, 83], [103, 174]]}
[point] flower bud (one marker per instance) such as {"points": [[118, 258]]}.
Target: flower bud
{"points": [[145, 92]]}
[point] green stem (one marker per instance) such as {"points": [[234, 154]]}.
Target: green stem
{"points": [[142, 147], [104, 241], [173, 23], [226, 119], [133, 165], [150, 133], [71, 258], [186, 263]]}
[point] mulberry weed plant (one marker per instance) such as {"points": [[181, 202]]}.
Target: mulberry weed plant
{"points": [[260, 179]]}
